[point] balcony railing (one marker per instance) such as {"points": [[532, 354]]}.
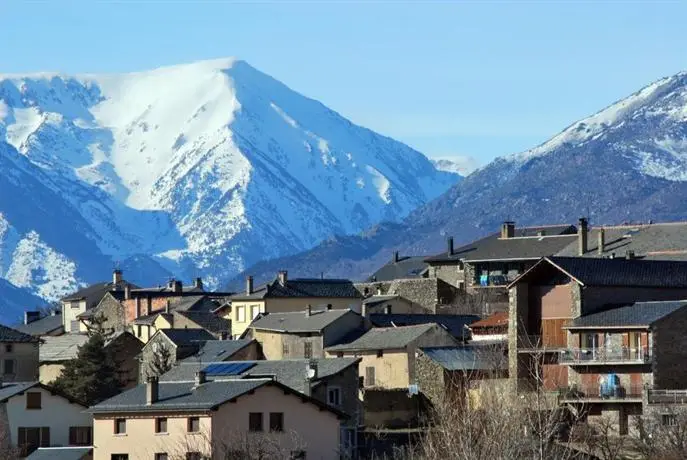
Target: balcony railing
{"points": [[617, 355], [602, 392], [667, 396]]}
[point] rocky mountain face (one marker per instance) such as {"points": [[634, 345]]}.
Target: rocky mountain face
{"points": [[627, 162], [193, 170]]}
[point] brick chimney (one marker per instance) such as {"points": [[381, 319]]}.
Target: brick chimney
{"points": [[449, 245], [283, 277], [249, 285], [198, 283], [582, 231], [152, 390], [601, 247], [507, 229], [116, 277]]}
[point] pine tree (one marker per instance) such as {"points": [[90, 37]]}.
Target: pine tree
{"points": [[92, 376]]}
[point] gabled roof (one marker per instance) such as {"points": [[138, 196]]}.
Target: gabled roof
{"points": [[186, 337], [149, 320], [42, 326], [61, 453], [297, 322], [187, 396], [7, 334], [496, 320], [375, 300], [615, 272], [218, 350], [95, 292], [385, 338], [526, 244], [60, 348], [207, 320], [290, 372], [468, 358], [639, 314], [403, 268], [454, 324], [303, 287], [11, 389]]}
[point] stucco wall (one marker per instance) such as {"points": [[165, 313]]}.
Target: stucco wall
{"points": [[273, 344], [25, 357], [69, 314], [49, 372]]}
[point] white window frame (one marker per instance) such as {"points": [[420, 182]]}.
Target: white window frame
{"points": [[241, 314], [254, 311]]}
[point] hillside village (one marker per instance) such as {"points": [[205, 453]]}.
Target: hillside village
{"points": [[589, 319]]}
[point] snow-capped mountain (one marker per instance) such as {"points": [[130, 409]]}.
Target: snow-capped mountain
{"points": [[199, 169], [462, 165], [627, 162]]}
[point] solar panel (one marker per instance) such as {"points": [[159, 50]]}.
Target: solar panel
{"points": [[228, 368]]}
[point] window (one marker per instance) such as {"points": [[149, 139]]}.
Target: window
{"points": [[161, 425], [380, 353], [276, 421], [297, 455], [31, 438], [120, 426], [74, 304], [9, 367], [334, 396], [284, 349], [254, 311], [193, 456], [80, 435], [669, 420], [8, 348], [119, 457], [307, 350], [33, 400], [139, 330], [193, 425], [161, 456], [255, 421], [369, 376], [241, 314], [75, 326]]}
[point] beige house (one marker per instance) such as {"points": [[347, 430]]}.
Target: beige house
{"points": [[18, 356], [284, 295], [303, 334], [34, 415], [213, 419], [388, 354]]}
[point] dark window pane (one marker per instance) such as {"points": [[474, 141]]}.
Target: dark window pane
{"points": [[193, 424], [255, 421], [276, 421], [33, 400], [120, 426]]}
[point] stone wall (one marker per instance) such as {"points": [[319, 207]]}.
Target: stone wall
{"points": [[112, 311], [670, 351], [429, 377], [426, 294]]}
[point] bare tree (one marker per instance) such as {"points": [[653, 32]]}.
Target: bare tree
{"points": [[160, 362], [662, 433]]}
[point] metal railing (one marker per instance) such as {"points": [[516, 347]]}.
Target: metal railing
{"points": [[605, 392], [667, 396], [614, 355]]}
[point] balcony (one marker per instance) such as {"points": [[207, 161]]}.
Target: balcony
{"points": [[603, 356], [602, 393], [667, 396]]}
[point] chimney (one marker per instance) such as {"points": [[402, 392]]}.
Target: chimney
{"points": [[200, 378], [379, 290], [198, 284], [507, 229], [127, 291], [363, 310], [541, 233], [116, 277], [167, 306], [31, 316], [329, 307], [310, 376], [223, 335], [601, 247], [582, 235], [176, 286], [308, 310], [449, 245], [396, 257], [55, 312], [152, 390], [387, 310], [283, 277], [629, 255], [249, 285]]}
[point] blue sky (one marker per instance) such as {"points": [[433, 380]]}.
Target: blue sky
{"points": [[482, 79]]}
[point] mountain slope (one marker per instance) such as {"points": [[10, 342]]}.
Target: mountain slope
{"points": [[192, 170], [627, 162]]}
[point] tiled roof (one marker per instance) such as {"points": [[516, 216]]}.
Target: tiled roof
{"points": [[454, 324], [218, 350], [498, 319], [303, 287], [298, 321], [290, 372], [638, 314], [207, 320], [42, 326], [524, 245], [186, 337], [7, 334], [187, 396], [385, 338], [61, 453], [405, 267], [60, 348], [467, 358]]}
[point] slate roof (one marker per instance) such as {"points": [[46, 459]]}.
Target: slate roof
{"points": [[303, 287], [186, 337], [385, 338], [525, 245], [375, 300], [290, 372], [7, 334], [94, 293], [638, 314], [149, 320], [43, 326], [467, 358], [60, 453], [7, 390], [298, 321], [617, 272], [60, 348], [186, 396], [454, 324], [404, 268], [207, 320], [218, 350]]}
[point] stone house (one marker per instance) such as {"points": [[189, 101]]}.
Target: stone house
{"points": [[34, 415], [401, 267], [288, 295], [18, 356], [425, 295], [210, 419], [303, 334]]}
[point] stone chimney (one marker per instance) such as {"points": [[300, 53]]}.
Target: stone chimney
{"points": [[152, 390], [601, 247], [582, 232], [507, 229], [283, 277], [449, 246], [308, 310], [249, 285], [200, 378], [116, 277], [198, 283]]}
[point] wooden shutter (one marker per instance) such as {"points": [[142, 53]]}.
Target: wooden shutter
{"points": [[370, 376]]}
